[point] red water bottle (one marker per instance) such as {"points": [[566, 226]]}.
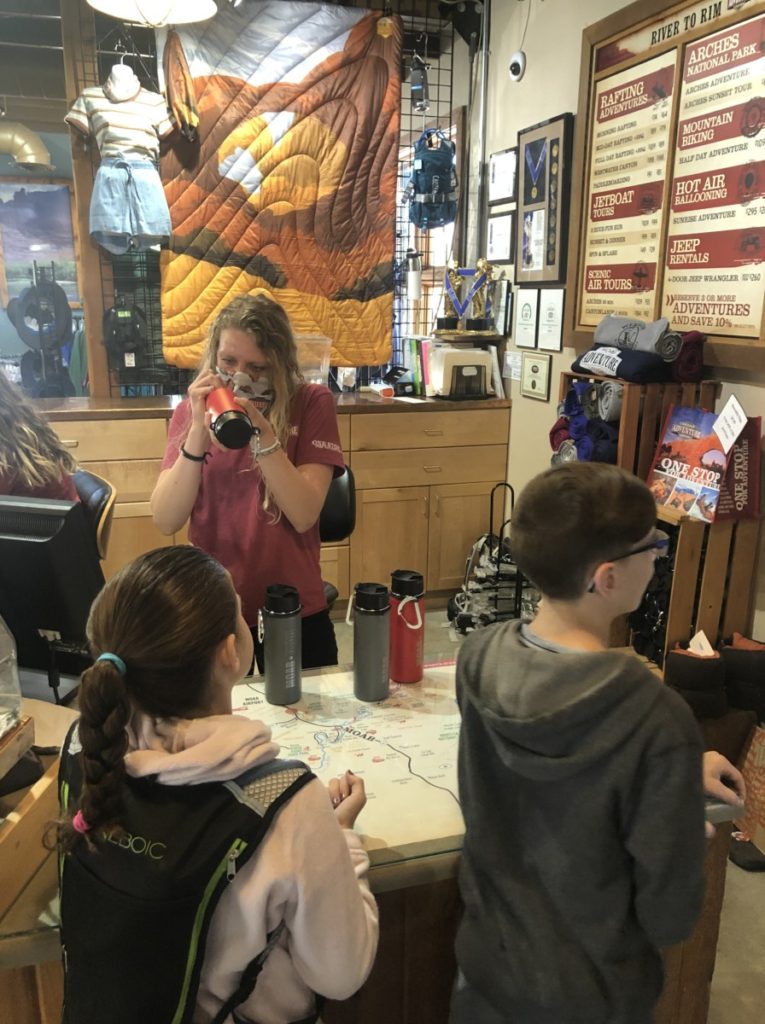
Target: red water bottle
{"points": [[230, 423], [407, 626]]}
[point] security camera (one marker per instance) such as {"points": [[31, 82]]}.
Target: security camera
{"points": [[517, 66]]}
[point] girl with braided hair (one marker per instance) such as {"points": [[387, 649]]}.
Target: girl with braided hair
{"points": [[33, 462], [170, 642]]}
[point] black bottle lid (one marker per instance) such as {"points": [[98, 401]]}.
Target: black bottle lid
{"points": [[406, 583], [282, 598], [372, 597], [233, 429]]}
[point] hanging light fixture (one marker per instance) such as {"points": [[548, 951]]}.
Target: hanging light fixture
{"points": [[156, 13]]}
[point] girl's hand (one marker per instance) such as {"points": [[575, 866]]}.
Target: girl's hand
{"points": [[348, 798], [259, 421], [198, 391]]}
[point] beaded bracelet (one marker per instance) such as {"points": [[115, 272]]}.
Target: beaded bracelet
{"points": [[194, 458], [266, 451]]}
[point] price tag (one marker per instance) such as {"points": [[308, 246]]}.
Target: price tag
{"points": [[130, 359], [730, 423]]}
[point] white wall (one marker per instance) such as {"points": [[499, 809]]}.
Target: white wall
{"points": [[551, 86]]}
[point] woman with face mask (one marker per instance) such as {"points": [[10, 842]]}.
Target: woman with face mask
{"points": [[256, 509]]}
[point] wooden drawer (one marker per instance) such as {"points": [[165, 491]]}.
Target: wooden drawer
{"points": [[379, 431], [109, 440], [133, 479], [344, 427], [429, 466]]}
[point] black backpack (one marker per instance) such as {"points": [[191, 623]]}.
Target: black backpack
{"points": [[433, 182], [126, 332], [135, 912]]}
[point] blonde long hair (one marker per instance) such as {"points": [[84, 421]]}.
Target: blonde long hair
{"points": [[268, 324], [29, 447]]}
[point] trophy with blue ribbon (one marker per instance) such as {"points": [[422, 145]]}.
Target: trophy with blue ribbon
{"points": [[477, 285]]}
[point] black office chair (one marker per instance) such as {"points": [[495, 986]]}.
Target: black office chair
{"points": [[337, 519], [98, 496]]}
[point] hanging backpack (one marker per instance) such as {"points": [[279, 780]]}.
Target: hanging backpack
{"points": [[136, 910], [126, 332], [433, 182]]}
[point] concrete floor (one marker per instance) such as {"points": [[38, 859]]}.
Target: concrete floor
{"points": [[738, 985]]}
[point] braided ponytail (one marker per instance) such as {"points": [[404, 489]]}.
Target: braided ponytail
{"points": [[153, 615]]}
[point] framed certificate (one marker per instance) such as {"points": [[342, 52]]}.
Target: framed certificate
{"points": [[526, 306], [535, 375], [503, 176], [550, 334], [500, 237]]}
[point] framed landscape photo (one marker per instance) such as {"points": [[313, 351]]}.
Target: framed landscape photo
{"points": [[503, 176], [544, 181], [500, 237]]}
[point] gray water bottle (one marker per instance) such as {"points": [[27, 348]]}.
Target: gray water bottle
{"points": [[281, 635], [371, 641]]}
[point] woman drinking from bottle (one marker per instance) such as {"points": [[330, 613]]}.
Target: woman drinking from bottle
{"points": [[256, 509]]}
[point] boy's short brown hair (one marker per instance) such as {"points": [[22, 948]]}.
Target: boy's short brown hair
{"points": [[573, 517]]}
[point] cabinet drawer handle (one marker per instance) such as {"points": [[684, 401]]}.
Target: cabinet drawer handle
{"points": [[432, 469], [70, 444], [432, 432]]}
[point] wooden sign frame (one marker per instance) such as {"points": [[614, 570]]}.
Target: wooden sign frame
{"points": [[644, 47]]}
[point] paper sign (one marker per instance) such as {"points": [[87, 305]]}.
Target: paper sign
{"points": [[699, 644], [730, 423], [512, 367]]}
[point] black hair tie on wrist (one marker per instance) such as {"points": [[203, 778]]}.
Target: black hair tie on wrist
{"points": [[194, 458]]}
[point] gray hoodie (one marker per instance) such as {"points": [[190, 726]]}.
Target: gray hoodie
{"points": [[581, 786]]}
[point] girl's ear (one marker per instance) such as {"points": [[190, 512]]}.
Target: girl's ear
{"points": [[227, 656]]}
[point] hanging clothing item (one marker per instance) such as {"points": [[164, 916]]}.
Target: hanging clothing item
{"points": [[128, 209], [126, 120], [433, 184], [179, 84]]}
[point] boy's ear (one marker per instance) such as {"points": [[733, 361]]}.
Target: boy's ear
{"points": [[603, 579]]}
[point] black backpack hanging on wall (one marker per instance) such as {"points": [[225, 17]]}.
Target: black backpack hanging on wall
{"points": [[433, 183]]}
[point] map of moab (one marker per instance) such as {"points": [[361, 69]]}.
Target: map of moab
{"points": [[404, 747]]}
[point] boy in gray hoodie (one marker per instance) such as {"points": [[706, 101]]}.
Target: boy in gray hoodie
{"points": [[580, 776]]}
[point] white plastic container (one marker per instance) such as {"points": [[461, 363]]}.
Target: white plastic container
{"points": [[10, 691], [313, 357]]}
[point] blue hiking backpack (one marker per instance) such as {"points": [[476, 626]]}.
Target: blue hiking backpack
{"points": [[433, 182]]}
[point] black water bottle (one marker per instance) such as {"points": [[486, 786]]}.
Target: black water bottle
{"points": [[281, 635], [371, 641]]}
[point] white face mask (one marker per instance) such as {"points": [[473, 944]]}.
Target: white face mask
{"points": [[258, 391]]}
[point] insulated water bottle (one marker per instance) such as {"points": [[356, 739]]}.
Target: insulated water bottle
{"points": [[230, 423], [371, 641], [407, 625], [279, 630]]}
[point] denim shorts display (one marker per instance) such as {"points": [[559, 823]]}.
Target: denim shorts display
{"points": [[128, 209]]}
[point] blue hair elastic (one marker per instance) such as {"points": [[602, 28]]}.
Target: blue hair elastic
{"points": [[115, 660]]}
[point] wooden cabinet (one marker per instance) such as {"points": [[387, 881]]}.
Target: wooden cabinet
{"points": [[127, 452], [423, 481]]}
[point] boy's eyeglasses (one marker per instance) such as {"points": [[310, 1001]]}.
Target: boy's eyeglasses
{"points": [[659, 544]]}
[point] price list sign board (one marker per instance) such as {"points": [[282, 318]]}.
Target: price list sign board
{"points": [[668, 208], [715, 255], [625, 204]]}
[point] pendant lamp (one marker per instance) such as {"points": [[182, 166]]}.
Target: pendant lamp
{"points": [[156, 13]]}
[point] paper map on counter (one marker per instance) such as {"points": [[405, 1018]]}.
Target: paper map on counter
{"points": [[404, 747]]}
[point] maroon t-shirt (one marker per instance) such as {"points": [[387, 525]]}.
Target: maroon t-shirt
{"points": [[62, 489], [228, 519]]}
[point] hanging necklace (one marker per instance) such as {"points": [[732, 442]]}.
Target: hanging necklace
{"points": [[535, 169]]}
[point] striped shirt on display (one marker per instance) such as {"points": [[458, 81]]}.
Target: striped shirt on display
{"points": [[130, 128]]}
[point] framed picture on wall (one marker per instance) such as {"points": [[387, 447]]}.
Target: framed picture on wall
{"points": [[500, 237], [36, 227], [535, 375], [544, 178], [526, 309], [503, 176], [550, 334], [502, 306]]}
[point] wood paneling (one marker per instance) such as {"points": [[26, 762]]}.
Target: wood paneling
{"points": [[432, 430]]}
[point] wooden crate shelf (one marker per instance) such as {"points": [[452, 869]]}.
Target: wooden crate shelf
{"points": [[644, 408]]}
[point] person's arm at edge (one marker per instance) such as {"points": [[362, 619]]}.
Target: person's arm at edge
{"points": [[177, 487], [665, 837], [334, 921]]}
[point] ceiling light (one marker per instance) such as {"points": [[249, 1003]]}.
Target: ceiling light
{"points": [[157, 12]]}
